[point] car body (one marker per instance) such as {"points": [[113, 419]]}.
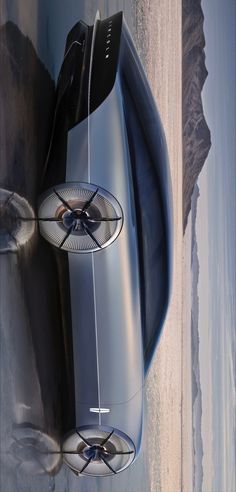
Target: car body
{"points": [[106, 207]]}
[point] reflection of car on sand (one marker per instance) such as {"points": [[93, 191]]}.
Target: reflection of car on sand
{"points": [[107, 211]]}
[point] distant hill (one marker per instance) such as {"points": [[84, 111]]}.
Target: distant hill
{"points": [[196, 134], [196, 380]]}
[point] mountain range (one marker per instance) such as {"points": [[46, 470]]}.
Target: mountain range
{"points": [[196, 134]]}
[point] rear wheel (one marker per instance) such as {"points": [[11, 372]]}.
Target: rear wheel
{"points": [[98, 451], [79, 217]]}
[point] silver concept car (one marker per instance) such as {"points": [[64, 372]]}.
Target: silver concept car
{"points": [[107, 210]]}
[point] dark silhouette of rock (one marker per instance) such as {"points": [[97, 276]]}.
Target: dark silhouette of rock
{"points": [[196, 134]]}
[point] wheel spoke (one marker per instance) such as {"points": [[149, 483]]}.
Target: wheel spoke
{"points": [[107, 464], [88, 203], [117, 452], [61, 452], [83, 438], [86, 464], [107, 438], [72, 452], [63, 201], [49, 219], [41, 219], [102, 219], [66, 236], [86, 229]]}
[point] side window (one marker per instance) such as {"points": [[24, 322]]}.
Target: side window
{"points": [[149, 162]]}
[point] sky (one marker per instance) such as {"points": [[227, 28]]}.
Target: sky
{"points": [[216, 236]]}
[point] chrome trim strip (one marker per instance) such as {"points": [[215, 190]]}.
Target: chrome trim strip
{"points": [[96, 340], [74, 42], [99, 410]]}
